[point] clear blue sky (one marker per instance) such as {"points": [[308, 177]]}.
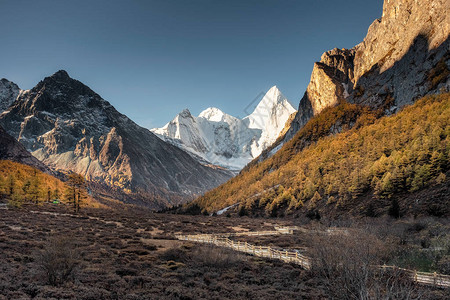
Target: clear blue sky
{"points": [[151, 59]]}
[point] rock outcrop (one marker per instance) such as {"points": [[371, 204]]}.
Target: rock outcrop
{"points": [[69, 127], [404, 56], [8, 93], [10, 149]]}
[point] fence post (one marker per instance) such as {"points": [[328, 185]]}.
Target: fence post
{"points": [[434, 277], [270, 252], [415, 275], [253, 248], [239, 243], [245, 247]]}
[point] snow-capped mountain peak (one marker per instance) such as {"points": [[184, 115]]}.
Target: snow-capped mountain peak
{"points": [[273, 105], [212, 114], [215, 137]]}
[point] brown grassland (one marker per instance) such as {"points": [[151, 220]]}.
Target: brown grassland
{"points": [[50, 253]]}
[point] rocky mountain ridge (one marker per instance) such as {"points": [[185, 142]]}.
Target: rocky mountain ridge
{"points": [[404, 56], [69, 127], [215, 137]]}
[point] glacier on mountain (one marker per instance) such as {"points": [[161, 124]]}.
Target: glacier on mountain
{"points": [[217, 138]]}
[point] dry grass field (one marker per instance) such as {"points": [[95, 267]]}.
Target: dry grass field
{"points": [[47, 252]]}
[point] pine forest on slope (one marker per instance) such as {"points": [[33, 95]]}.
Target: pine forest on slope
{"points": [[377, 161], [21, 184]]}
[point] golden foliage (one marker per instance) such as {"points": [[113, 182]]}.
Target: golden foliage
{"points": [[21, 183], [383, 156]]}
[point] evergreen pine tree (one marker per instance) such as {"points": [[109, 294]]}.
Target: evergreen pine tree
{"points": [[49, 194], [2, 187], [76, 192], [11, 188], [56, 194], [35, 190], [394, 209]]}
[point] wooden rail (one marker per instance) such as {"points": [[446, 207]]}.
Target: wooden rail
{"points": [[425, 278], [222, 240], [262, 251]]}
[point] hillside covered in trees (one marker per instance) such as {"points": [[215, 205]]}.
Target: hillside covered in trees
{"points": [[20, 184], [349, 160]]}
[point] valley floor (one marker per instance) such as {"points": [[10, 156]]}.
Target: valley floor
{"points": [[48, 252]]}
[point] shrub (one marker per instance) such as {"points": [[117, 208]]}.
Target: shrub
{"points": [[58, 260], [216, 257], [347, 263], [394, 209], [175, 254], [444, 265]]}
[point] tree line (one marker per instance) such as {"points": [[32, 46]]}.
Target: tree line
{"points": [[20, 184]]}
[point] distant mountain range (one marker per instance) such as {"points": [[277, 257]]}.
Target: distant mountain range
{"points": [[69, 127], [217, 138], [404, 56]]}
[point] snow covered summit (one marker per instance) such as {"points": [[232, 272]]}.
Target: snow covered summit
{"points": [[270, 115], [217, 138]]}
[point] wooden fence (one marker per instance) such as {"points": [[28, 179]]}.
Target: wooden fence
{"points": [[424, 277], [222, 240], [262, 251]]}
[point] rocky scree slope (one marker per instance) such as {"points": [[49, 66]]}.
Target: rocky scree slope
{"points": [[404, 56], [215, 137], [69, 127]]}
